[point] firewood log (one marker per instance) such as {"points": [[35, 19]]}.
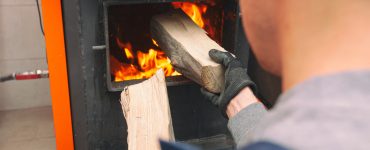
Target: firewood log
{"points": [[147, 112], [187, 45]]}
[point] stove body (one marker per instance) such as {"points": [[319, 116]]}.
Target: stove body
{"points": [[97, 118]]}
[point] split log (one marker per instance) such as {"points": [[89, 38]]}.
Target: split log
{"points": [[187, 45], [147, 112]]}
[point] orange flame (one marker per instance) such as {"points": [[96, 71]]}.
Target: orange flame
{"points": [[197, 13], [193, 11], [148, 64], [144, 65], [128, 53]]}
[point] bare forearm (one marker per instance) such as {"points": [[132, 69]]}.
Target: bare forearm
{"points": [[241, 101]]}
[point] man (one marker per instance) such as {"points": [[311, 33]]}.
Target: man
{"points": [[321, 50]]}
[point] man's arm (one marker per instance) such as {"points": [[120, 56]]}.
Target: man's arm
{"points": [[245, 112], [241, 101], [236, 101]]}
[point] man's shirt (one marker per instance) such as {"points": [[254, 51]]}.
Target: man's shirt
{"points": [[327, 112]]}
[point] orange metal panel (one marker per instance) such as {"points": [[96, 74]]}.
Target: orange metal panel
{"points": [[54, 37]]}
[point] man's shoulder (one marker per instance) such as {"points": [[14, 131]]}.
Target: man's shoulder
{"points": [[324, 112]]}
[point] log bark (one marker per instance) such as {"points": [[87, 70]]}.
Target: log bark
{"points": [[147, 112], [187, 45]]}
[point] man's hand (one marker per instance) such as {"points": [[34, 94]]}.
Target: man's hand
{"points": [[236, 79]]}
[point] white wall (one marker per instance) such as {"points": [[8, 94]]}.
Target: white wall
{"points": [[22, 48]]}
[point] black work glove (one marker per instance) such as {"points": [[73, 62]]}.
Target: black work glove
{"points": [[236, 79]]}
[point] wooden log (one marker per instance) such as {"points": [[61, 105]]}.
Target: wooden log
{"points": [[187, 45], [147, 112]]}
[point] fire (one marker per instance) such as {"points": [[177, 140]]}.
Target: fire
{"points": [[148, 63], [193, 11], [128, 53], [197, 13], [144, 65]]}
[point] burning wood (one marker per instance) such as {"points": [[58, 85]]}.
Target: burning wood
{"points": [[148, 63], [143, 63]]}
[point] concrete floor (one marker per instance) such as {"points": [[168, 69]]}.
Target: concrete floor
{"points": [[27, 129]]}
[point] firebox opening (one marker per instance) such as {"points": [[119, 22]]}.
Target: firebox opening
{"points": [[133, 54]]}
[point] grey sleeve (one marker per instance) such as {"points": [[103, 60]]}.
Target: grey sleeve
{"points": [[245, 121]]}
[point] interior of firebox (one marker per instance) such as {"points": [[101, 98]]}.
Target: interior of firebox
{"points": [[133, 54]]}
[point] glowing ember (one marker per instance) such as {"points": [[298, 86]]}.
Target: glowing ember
{"points": [[155, 43]]}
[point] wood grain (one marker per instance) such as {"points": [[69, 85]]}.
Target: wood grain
{"points": [[147, 112], [187, 45]]}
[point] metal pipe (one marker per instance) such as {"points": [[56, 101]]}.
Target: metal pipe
{"points": [[28, 75]]}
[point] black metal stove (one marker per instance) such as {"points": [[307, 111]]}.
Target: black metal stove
{"points": [[98, 121], [127, 35]]}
